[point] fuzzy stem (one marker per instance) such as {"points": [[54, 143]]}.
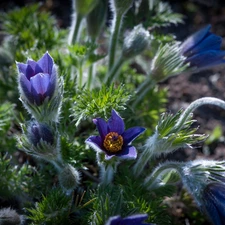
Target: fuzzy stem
{"points": [[90, 76], [80, 76], [114, 39], [141, 162], [194, 105], [154, 178], [75, 30], [114, 72], [142, 90], [107, 173]]}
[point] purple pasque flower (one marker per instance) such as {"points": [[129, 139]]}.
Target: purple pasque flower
{"points": [[202, 49], [130, 220], [37, 80], [214, 202], [114, 140]]}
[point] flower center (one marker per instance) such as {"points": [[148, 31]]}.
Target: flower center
{"points": [[113, 142]]}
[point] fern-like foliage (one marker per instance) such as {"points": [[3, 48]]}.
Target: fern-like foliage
{"points": [[161, 14], [54, 209], [6, 115], [99, 102]]}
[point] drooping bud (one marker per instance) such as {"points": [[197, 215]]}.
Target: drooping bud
{"points": [[83, 7], [167, 62], [10, 217], [69, 178], [96, 19], [135, 42]]}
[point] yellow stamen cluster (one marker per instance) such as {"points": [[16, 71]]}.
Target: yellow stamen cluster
{"points": [[113, 142]]}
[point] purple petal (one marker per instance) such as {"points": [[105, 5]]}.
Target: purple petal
{"points": [[135, 219], [22, 67], [207, 59], [95, 142], [46, 63], [211, 42], [29, 72], [32, 63], [40, 82], [38, 69], [194, 39], [128, 152], [101, 126], [130, 134], [53, 81], [26, 87], [114, 220], [115, 123]]}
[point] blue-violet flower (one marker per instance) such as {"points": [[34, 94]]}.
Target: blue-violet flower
{"points": [[130, 220], [214, 198], [202, 49], [113, 139], [37, 79]]}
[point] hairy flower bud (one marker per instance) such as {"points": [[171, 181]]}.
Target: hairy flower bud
{"points": [[10, 217], [38, 132], [135, 42], [69, 178], [96, 19], [121, 7], [83, 7], [40, 140]]}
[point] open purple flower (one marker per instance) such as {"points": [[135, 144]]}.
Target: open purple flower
{"points": [[113, 139], [214, 202], [130, 220], [202, 49], [37, 79]]}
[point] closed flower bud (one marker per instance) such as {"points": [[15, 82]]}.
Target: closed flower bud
{"points": [[136, 42], [69, 178], [96, 19], [10, 217], [83, 7], [38, 132], [41, 140], [121, 7]]}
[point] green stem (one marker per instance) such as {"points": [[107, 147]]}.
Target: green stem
{"points": [[114, 72], [152, 181], [194, 105], [90, 76], [75, 29], [142, 90], [80, 81], [114, 40]]}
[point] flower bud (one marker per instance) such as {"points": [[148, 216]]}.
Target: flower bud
{"points": [[10, 217], [38, 132], [40, 140], [136, 42], [40, 91], [69, 178], [96, 19], [121, 7], [83, 7]]}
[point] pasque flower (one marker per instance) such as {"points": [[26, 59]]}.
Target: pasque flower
{"points": [[130, 220], [113, 139], [214, 198], [37, 80], [202, 49]]}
